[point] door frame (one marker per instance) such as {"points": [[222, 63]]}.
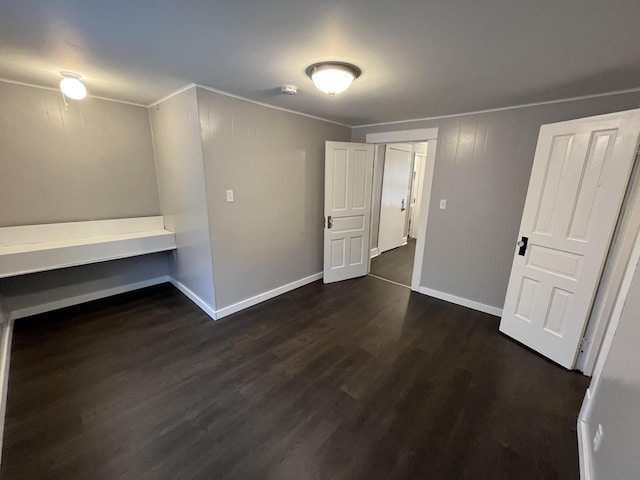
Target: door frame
{"points": [[614, 268], [430, 137]]}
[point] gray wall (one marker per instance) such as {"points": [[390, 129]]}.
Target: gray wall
{"points": [[616, 403], [271, 235], [93, 161], [482, 168], [179, 161], [54, 286]]}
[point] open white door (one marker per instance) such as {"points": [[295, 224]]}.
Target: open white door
{"points": [[347, 209], [396, 183], [580, 172]]}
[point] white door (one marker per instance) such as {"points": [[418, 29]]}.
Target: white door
{"points": [[396, 182], [347, 209], [419, 161], [580, 172]]}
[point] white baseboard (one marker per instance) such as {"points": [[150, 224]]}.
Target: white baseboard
{"points": [[584, 442], [481, 307], [194, 298], [87, 297], [249, 302], [375, 252], [6, 330]]}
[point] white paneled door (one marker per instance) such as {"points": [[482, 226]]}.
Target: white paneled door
{"points": [[347, 209], [580, 172], [396, 183]]}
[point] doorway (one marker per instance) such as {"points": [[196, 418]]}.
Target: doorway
{"points": [[398, 184], [349, 198]]}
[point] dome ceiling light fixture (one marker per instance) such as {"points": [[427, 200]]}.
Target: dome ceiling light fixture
{"points": [[72, 87], [333, 77]]}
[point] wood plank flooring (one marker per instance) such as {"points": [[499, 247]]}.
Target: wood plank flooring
{"points": [[361, 379], [396, 264]]}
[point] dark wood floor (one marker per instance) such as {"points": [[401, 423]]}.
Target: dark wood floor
{"points": [[357, 380], [396, 264]]}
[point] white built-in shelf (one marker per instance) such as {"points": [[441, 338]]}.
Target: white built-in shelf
{"points": [[37, 248]]}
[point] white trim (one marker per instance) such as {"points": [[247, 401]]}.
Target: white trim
{"points": [[172, 94], [282, 109], [249, 302], [500, 109], [430, 137], [584, 450], [5, 353], [375, 252], [423, 220], [481, 307], [53, 89], [204, 306], [417, 135], [245, 99], [86, 297], [617, 260], [389, 281], [616, 314]]}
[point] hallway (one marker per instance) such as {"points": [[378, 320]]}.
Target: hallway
{"points": [[397, 264]]}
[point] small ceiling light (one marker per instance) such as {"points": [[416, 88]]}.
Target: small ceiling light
{"points": [[333, 77], [72, 87]]}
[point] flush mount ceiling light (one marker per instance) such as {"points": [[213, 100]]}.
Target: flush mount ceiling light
{"points": [[72, 87], [333, 77]]}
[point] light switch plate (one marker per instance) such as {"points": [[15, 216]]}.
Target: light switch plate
{"points": [[229, 195], [443, 204]]}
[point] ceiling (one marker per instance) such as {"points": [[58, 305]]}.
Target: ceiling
{"points": [[419, 58]]}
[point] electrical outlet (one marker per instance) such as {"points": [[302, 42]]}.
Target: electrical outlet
{"points": [[443, 204], [597, 439], [229, 195]]}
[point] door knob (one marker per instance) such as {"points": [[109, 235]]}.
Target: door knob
{"points": [[402, 208], [523, 246]]}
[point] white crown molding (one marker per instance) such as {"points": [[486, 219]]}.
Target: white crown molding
{"points": [[500, 109], [52, 89], [172, 94], [244, 99], [282, 109], [296, 112]]}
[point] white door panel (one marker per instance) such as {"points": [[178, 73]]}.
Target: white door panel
{"points": [[348, 183], [579, 176], [396, 183]]}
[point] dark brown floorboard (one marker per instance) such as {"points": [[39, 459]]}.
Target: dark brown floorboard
{"points": [[356, 380], [396, 264]]}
